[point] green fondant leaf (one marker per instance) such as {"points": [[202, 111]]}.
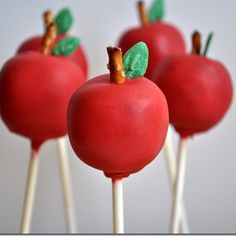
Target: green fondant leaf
{"points": [[66, 46], [208, 43], [64, 20], [136, 61], [157, 10]]}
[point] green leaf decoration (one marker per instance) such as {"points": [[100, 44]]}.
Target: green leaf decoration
{"points": [[157, 10], [66, 46], [208, 43], [135, 61], [64, 20]]}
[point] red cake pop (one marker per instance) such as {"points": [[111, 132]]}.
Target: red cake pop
{"points": [[115, 124], [35, 89], [162, 39], [199, 93], [63, 21], [198, 90], [118, 122]]}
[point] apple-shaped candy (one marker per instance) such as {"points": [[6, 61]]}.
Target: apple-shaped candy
{"points": [[198, 89], [63, 21], [199, 92], [35, 89], [118, 122], [162, 39]]}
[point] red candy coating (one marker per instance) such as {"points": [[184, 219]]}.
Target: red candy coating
{"points": [[34, 93], [118, 129], [198, 91], [162, 40], [78, 57]]}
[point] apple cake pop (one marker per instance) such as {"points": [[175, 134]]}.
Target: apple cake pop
{"points": [[35, 88], [117, 122], [162, 39], [63, 21], [199, 93]]}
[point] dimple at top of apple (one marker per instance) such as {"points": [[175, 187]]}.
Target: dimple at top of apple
{"points": [[118, 129], [78, 57], [198, 91], [162, 40], [34, 91]]}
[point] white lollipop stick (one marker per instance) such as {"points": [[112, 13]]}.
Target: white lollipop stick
{"points": [[118, 207], [178, 187], [66, 186], [29, 192], [171, 168]]}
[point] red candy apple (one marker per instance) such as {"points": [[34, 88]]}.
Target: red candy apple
{"points": [[63, 21], [35, 90], [116, 124], [198, 90], [162, 39]]}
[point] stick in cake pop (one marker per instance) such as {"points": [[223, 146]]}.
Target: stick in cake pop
{"points": [[199, 93], [66, 183], [35, 91], [29, 192], [171, 169], [178, 187], [118, 122], [117, 206]]}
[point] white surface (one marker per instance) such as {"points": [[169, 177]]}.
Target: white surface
{"points": [[210, 190]]}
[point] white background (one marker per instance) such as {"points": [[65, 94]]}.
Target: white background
{"points": [[210, 192]]}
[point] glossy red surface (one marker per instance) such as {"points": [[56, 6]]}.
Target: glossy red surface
{"points": [[78, 57], [118, 129], [198, 91], [162, 40], [34, 93]]}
